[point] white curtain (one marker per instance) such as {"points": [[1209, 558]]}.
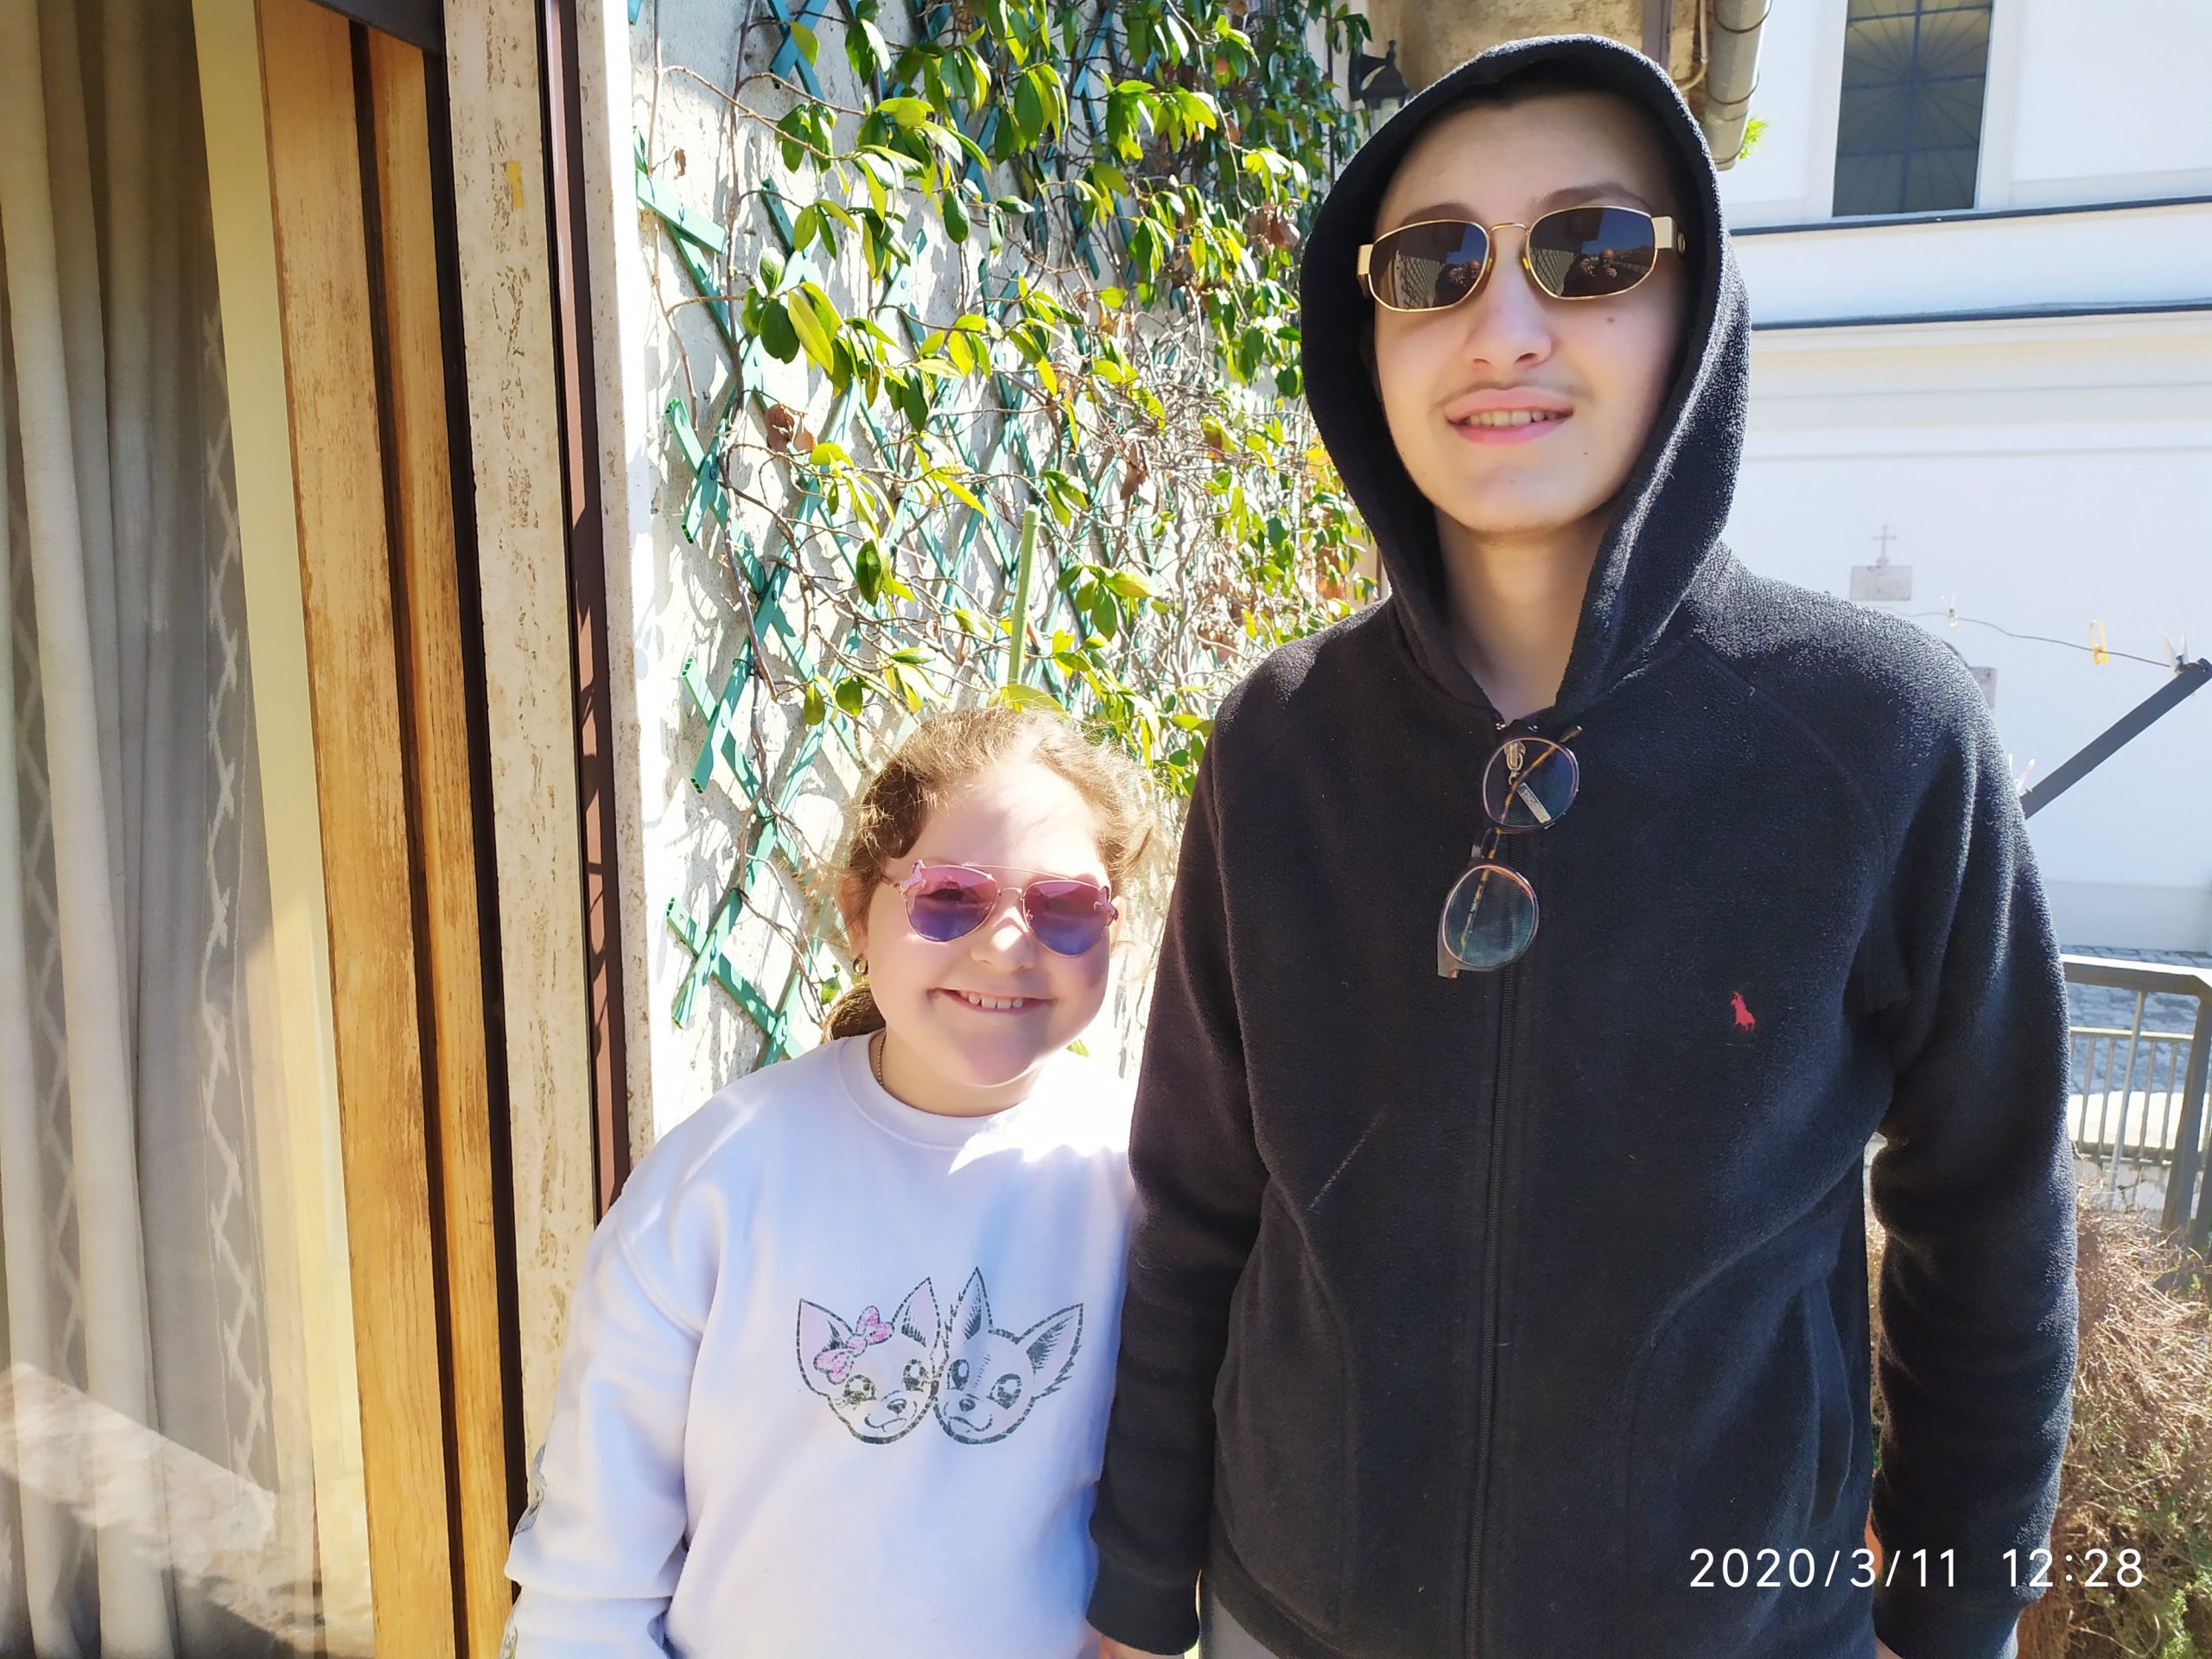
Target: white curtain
{"points": [[151, 1441]]}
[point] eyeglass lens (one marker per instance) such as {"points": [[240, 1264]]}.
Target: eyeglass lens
{"points": [[1529, 782], [1489, 916], [1425, 267], [1067, 917], [949, 904], [1574, 253], [1588, 254]]}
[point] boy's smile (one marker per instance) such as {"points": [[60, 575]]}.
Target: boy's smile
{"points": [[1507, 417]]}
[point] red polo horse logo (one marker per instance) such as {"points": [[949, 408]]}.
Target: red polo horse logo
{"points": [[1745, 1021]]}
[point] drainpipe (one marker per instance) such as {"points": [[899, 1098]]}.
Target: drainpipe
{"points": [[1731, 75]]}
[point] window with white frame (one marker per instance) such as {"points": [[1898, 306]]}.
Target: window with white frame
{"points": [[1909, 130]]}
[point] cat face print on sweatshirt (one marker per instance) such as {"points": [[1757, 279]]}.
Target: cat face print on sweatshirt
{"points": [[878, 1375], [993, 1379]]}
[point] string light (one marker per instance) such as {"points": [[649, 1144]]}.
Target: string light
{"points": [[2097, 650]]}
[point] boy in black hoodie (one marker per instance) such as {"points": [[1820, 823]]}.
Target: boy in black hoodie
{"points": [[1549, 941]]}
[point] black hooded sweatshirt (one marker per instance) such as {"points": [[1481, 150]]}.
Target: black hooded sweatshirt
{"points": [[1524, 1314]]}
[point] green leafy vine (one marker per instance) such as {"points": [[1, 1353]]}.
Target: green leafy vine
{"points": [[1025, 264]]}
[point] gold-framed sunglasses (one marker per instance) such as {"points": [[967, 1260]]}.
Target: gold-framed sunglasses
{"points": [[1590, 252]]}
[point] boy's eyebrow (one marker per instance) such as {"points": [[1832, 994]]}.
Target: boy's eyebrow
{"points": [[1608, 191], [1604, 191]]}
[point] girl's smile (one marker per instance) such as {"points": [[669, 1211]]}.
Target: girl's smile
{"points": [[984, 1003]]}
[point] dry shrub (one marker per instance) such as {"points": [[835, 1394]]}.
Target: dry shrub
{"points": [[2138, 1466]]}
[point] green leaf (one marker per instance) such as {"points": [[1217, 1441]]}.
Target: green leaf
{"points": [[912, 654], [1196, 112], [771, 269], [908, 685], [1028, 109], [867, 48], [1131, 109], [776, 331], [1113, 298], [1131, 584], [1148, 248], [824, 313], [803, 38], [954, 215], [806, 227], [811, 334], [815, 708], [852, 696], [1249, 348], [801, 133], [868, 570], [908, 112], [912, 399], [1031, 697]]}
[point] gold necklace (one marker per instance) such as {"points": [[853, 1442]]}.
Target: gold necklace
{"points": [[875, 1056]]}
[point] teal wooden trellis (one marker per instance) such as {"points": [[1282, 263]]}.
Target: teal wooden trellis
{"points": [[767, 856]]}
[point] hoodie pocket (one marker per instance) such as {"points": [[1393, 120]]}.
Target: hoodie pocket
{"points": [[1839, 1423], [1742, 1437], [1283, 1486]]}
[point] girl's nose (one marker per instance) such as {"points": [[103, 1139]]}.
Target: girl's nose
{"points": [[1006, 936]]}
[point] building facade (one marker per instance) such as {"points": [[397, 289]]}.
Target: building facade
{"points": [[1976, 238]]}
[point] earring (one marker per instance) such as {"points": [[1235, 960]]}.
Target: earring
{"points": [[860, 966]]}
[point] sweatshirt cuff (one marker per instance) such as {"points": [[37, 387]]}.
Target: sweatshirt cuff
{"points": [[1144, 1613], [1933, 1624]]}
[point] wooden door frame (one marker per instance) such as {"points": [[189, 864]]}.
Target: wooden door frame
{"points": [[416, 224], [522, 505], [433, 834]]}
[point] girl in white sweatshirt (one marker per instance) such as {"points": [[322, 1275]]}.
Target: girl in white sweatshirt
{"points": [[838, 1368]]}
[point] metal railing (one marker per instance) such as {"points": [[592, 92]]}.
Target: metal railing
{"points": [[2136, 1094]]}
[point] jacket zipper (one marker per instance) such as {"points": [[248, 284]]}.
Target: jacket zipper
{"points": [[1486, 1399]]}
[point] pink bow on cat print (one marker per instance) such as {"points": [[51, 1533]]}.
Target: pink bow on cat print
{"points": [[836, 1362]]}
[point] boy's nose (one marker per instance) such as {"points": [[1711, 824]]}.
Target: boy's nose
{"points": [[1506, 326]]}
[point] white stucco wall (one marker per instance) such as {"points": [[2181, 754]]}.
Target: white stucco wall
{"points": [[2040, 474], [2096, 102], [675, 601]]}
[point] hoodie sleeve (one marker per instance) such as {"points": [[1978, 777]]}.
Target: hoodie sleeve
{"points": [[1976, 1187], [1199, 1180], [598, 1554]]}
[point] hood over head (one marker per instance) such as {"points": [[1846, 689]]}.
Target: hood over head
{"points": [[1671, 510]]}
